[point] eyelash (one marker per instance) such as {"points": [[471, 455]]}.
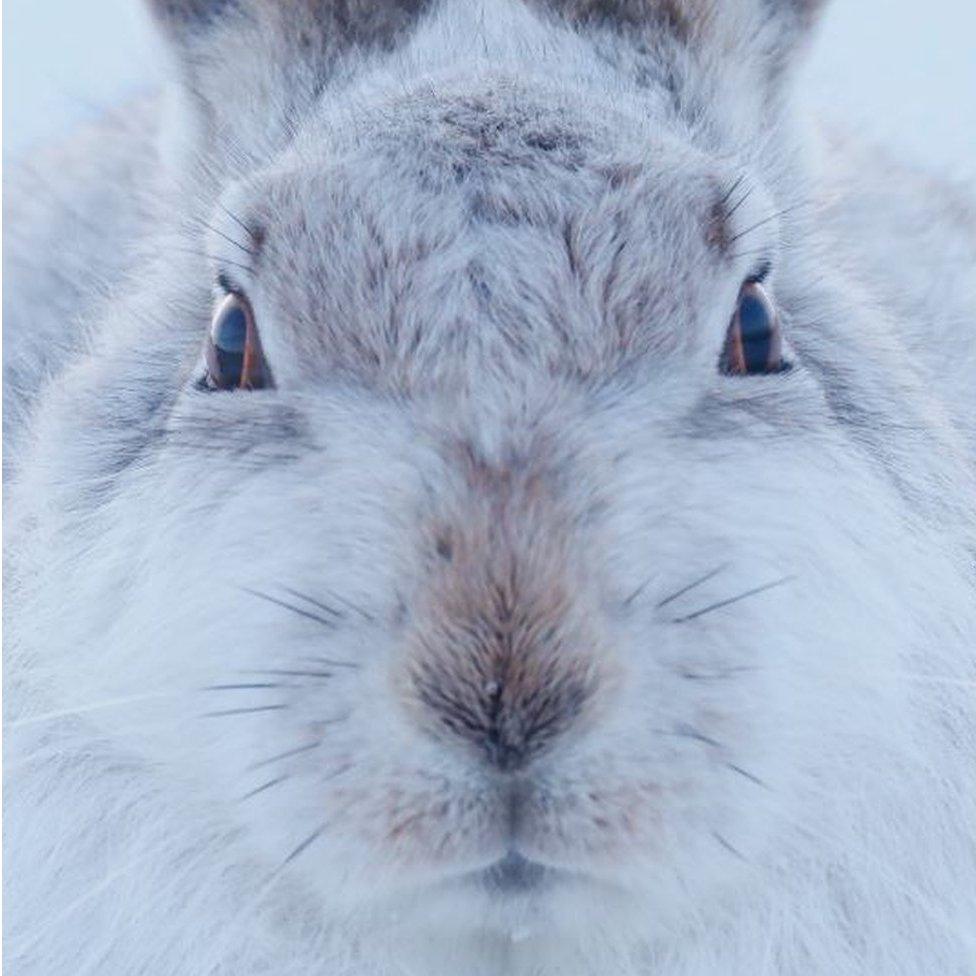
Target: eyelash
{"points": [[761, 273]]}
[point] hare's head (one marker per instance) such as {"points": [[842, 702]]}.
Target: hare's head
{"points": [[510, 519]]}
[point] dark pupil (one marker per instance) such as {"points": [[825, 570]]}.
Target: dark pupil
{"points": [[756, 331], [229, 338]]}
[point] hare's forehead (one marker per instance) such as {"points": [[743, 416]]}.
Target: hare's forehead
{"points": [[487, 225], [495, 154]]}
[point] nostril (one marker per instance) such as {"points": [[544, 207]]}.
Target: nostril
{"points": [[505, 755], [501, 748], [508, 721], [499, 671]]}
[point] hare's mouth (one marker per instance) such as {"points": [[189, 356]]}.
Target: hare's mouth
{"points": [[517, 877], [515, 874]]}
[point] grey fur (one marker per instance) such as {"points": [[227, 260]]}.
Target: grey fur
{"points": [[495, 576]]}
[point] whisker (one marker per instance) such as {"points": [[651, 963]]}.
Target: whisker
{"points": [[749, 254], [284, 755], [749, 776], [896, 879], [767, 220], [930, 679], [355, 607], [303, 674], [228, 238], [314, 836], [721, 675], [263, 684], [735, 186], [733, 599], [265, 786], [728, 846], [290, 606], [330, 662], [219, 948], [96, 889], [237, 220], [304, 845], [81, 710], [688, 732], [245, 711], [640, 589], [315, 603], [755, 227], [745, 196], [214, 257], [687, 589]]}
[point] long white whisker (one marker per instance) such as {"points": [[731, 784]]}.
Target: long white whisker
{"points": [[244, 917], [81, 710], [930, 679], [86, 896], [899, 883]]}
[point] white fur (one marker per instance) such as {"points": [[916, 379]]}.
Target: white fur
{"points": [[825, 827]]}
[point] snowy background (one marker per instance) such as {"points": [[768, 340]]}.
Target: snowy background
{"points": [[900, 70]]}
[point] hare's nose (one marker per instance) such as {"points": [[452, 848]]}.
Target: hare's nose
{"points": [[517, 720], [507, 648], [507, 687]]}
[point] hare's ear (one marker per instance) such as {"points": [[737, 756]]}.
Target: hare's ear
{"points": [[801, 15], [187, 25], [253, 67], [332, 25], [793, 22], [181, 16], [807, 9]]}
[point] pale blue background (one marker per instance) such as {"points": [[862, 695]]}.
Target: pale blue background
{"points": [[901, 70]]}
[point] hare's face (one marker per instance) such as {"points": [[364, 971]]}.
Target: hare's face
{"points": [[512, 590], [507, 527]]}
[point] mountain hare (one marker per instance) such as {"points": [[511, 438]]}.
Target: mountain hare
{"points": [[491, 492]]}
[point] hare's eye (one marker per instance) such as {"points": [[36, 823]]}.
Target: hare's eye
{"points": [[753, 344], [233, 349]]}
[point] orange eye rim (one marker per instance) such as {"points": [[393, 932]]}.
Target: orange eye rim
{"points": [[255, 375]]}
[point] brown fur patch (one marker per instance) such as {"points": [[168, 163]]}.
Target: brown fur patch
{"points": [[500, 655], [683, 19], [810, 9], [313, 26], [717, 233]]}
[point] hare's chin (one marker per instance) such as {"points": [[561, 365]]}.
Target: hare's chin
{"points": [[513, 897]]}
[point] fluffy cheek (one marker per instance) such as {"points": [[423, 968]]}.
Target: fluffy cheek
{"points": [[245, 650], [766, 652]]}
